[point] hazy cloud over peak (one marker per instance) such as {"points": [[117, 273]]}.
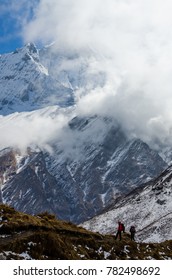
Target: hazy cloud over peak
{"points": [[131, 43]]}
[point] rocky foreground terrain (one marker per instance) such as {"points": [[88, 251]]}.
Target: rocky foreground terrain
{"points": [[43, 237]]}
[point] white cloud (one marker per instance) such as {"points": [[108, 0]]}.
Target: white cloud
{"points": [[32, 129], [132, 41]]}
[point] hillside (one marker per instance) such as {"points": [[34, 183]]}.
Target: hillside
{"points": [[42, 237], [149, 208]]}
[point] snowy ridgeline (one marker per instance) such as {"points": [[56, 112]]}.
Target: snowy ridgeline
{"points": [[31, 79], [149, 210]]}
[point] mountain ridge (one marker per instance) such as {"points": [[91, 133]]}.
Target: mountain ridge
{"points": [[148, 208], [77, 187]]}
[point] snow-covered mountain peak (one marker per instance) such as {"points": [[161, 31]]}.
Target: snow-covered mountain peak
{"points": [[25, 83], [29, 53], [32, 78], [31, 47]]}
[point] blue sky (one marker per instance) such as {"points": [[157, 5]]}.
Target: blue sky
{"points": [[13, 16], [10, 37]]}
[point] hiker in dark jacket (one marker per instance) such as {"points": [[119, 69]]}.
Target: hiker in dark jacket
{"points": [[119, 230], [123, 228], [132, 231]]}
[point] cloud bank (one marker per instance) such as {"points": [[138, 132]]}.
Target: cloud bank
{"points": [[127, 46], [36, 129]]}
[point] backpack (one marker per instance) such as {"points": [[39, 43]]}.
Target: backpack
{"points": [[132, 229]]}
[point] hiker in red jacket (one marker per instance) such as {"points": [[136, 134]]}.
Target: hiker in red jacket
{"points": [[120, 229]]}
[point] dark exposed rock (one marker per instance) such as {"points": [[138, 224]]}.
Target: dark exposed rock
{"points": [[33, 188]]}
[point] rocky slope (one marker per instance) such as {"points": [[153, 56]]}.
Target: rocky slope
{"points": [[27, 184], [148, 208], [80, 179], [42, 237]]}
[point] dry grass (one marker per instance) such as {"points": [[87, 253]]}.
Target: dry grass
{"points": [[45, 237]]}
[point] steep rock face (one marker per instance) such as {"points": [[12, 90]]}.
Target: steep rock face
{"points": [[28, 186], [106, 167], [149, 208]]}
